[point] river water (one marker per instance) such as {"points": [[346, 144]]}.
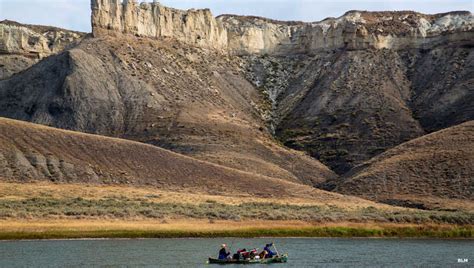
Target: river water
{"points": [[194, 252]]}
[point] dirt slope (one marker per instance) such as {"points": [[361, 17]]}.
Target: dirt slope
{"points": [[422, 171], [189, 100], [345, 107], [30, 152], [348, 106]]}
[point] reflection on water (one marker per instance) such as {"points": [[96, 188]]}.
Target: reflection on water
{"points": [[194, 252]]}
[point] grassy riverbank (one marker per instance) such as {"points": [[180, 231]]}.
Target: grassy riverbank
{"points": [[54, 211], [18, 204], [77, 229]]}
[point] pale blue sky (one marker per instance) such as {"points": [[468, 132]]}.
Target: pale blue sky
{"points": [[74, 14]]}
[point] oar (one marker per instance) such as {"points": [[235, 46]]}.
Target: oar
{"points": [[278, 254]]}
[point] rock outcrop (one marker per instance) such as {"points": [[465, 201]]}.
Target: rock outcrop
{"points": [[254, 35], [355, 30], [23, 45], [196, 27], [34, 41]]}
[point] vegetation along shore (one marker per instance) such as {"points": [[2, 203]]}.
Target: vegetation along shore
{"points": [[54, 211]]}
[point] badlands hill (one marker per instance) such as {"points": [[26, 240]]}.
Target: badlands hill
{"points": [[31, 152], [240, 91], [181, 98], [420, 172]]}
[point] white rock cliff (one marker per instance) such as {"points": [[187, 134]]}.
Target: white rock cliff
{"points": [[197, 27], [21, 45], [254, 35], [355, 30], [18, 39]]}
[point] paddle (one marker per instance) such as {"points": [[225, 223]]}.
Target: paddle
{"points": [[278, 254]]}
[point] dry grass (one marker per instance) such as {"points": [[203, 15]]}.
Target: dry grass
{"points": [[145, 225], [199, 228], [22, 191], [61, 201], [41, 225], [46, 210]]}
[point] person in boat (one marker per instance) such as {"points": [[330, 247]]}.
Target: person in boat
{"points": [[251, 254], [240, 254], [268, 251], [223, 253]]}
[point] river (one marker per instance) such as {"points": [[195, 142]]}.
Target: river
{"points": [[303, 252]]}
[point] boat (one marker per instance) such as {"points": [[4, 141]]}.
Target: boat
{"points": [[276, 259]]}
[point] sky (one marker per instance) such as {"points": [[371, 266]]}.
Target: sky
{"points": [[75, 14]]}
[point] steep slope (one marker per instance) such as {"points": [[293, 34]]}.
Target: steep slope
{"points": [[346, 96], [186, 99], [435, 167], [442, 80], [348, 106], [32, 152]]}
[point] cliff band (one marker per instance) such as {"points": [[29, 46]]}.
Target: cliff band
{"points": [[253, 35], [197, 27]]}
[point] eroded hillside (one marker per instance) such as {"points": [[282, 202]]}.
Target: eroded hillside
{"points": [[421, 172], [32, 153], [182, 98], [345, 104], [240, 91]]}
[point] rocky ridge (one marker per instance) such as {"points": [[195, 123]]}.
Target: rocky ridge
{"points": [[196, 27], [356, 30], [253, 35]]}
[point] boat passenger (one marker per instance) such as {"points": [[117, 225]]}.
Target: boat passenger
{"points": [[240, 254], [250, 254], [223, 253], [269, 252]]}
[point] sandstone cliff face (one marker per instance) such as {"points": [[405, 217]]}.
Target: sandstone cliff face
{"points": [[253, 35], [23, 45], [21, 40], [354, 31], [34, 41], [196, 27]]}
